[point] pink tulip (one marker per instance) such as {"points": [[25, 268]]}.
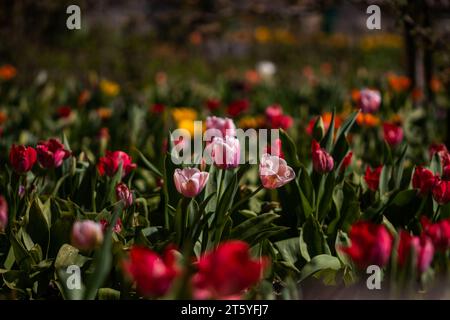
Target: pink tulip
{"points": [[369, 100], [3, 214], [190, 181], [423, 247], [322, 161], [224, 125], [274, 171], [225, 153], [51, 153], [123, 193], [393, 134], [86, 235]]}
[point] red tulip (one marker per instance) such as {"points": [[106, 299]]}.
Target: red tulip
{"points": [[237, 107], [423, 179], [422, 246], [117, 228], [124, 194], [110, 163], [3, 214], [442, 152], [154, 275], [51, 153], [371, 244], [393, 134], [227, 271], [64, 112], [346, 161], [157, 108], [438, 232], [322, 161], [446, 173], [276, 119], [441, 191], [372, 177], [212, 104], [22, 158]]}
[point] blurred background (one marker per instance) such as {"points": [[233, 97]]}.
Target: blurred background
{"points": [[132, 40], [315, 52]]}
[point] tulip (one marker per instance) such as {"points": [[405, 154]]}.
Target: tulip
{"points": [[393, 134], [86, 235], [369, 100], [439, 233], [225, 153], [346, 161], [223, 125], [423, 179], [422, 246], [157, 108], [446, 172], [277, 119], [371, 244], [51, 153], [3, 214], [64, 112], [22, 158], [190, 181], [322, 161], [441, 150], [237, 107], [154, 275], [117, 228], [124, 194], [110, 163], [274, 171], [227, 271], [441, 191], [372, 177], [212, 104]]}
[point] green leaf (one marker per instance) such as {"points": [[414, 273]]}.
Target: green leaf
{"points": [[384, 179], [150, 165], [314, 237], [251, 227], [318, 263], [327, 141], [289, 250], [326, 196], [38, 226], [102, 258], [289, 149]]}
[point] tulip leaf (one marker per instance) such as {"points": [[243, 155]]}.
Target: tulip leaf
{"points": [[102, 258], [318, 263], [327, 142], [38, 226], [289, 150], [149, 165], [252, 226]]}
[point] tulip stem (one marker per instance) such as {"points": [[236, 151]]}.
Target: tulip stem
{"points": [[243, 200]]}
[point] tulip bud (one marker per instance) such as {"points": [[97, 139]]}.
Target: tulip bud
{"points": [[124, 194], [422, 246], [86, 235], [318, 131], [441, 191], [322, 161], [3, 214]]}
